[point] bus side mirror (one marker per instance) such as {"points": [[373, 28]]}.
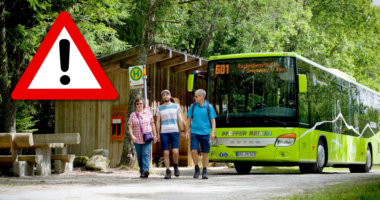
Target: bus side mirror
{"points": [[190, 83], [192, 78], [302, 83]]}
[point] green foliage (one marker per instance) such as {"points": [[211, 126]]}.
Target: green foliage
{"points": [[337, 34], [27, 23], [80, 161], [363, 189], [24, 118]]}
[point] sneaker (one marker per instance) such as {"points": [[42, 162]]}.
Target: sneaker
{"points": [[197, 171], [176, 170], [168, 174], [204, 173], [146, 174], [141, 175]]}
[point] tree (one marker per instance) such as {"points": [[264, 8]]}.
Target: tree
{"points": [[167, 12], [26, 24]]}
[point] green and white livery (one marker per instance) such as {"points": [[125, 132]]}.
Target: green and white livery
{"points": [[281, 109]]}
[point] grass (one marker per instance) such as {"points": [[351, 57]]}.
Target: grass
{"points": [[368, 189], [289, 170], [13, 185]]}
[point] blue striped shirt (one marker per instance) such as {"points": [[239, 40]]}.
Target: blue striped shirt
{"points": [[168, 116]]}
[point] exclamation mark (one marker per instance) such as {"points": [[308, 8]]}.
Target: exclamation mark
{"points": [[64, 52]]}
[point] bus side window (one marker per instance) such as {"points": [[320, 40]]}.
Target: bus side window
{"points": [[303, 98]]}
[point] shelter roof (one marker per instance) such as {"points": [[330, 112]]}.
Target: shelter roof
{"points": [[164, 57]]}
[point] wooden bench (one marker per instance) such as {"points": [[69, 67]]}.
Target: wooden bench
{"points": [[23, 165], [63, 162]]}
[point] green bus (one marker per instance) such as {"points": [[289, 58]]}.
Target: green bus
{"points": [[281, 109]]}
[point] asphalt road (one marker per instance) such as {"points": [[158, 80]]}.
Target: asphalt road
{"points": [[223, 184]]}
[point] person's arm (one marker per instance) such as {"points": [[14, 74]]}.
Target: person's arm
{"points": [[130, 128], [158, 127], [154, 131], [213, 125], [180, 121], [188, 123]]}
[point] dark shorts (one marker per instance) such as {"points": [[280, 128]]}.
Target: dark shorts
{"points": [[203, 139], [169, 138]]}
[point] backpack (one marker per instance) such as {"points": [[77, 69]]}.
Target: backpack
{"points": [[207, 107]]}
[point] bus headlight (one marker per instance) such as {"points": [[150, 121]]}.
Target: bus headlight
{"points": [[285, 140], [214, 143]]}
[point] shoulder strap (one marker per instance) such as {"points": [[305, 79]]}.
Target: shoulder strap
{"points": [[139, 123], [207, 107], [208, 110], [192, 111]]}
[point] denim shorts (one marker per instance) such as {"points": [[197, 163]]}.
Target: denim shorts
{"points": [[169, 138], [204, 140]]}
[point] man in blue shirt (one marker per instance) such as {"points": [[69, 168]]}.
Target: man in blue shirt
{"points": [[201, 116]]}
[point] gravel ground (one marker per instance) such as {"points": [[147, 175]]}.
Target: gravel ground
{"points": [[223, 183]]}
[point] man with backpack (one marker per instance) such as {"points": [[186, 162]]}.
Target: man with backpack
{"points": [[201, 116]]}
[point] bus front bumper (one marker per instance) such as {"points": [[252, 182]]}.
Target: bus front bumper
{"points": [[268, 154]]}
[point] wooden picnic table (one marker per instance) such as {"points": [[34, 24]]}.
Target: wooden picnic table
{"points": [[43, 143], [23, 165]]}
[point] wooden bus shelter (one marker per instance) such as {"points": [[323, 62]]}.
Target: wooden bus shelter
{"points": [[166, 69]]}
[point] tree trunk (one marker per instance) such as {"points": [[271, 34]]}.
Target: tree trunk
{"points": [[129, 152], [128, 156], [9, 107]]}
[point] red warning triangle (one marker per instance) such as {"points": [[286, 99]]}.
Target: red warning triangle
{"points": [[64, 68]]}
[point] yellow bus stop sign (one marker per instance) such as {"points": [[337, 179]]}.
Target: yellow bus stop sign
{"points": [[136, 76]]}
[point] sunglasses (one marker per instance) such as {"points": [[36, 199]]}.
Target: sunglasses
{"points": [[139, 104]]}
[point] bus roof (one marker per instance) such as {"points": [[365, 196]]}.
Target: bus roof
{"points": [[332, 71], [250, 55]]}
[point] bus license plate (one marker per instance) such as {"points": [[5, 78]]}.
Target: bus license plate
{"points": [[246, 154]]}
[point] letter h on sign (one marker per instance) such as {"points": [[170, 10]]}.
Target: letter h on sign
{"points": [[136, 73]]}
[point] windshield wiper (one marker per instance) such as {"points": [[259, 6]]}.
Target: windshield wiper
{"points": [[272, 120]]}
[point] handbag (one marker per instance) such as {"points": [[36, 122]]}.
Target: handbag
{"points": [[148, 136]]}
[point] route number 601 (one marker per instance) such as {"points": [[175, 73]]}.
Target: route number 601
{"points": [[222, 69]]}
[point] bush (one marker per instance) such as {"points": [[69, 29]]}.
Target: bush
{"points": [[80, 161]]}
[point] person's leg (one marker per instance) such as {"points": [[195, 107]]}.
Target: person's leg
{"points": [[205, 160], [165, 141], [138, 148], [175, 147], [194, 152], [165, 149], [146, 157], [166, 159], [205, 145], [167, 165], [175, 156]]}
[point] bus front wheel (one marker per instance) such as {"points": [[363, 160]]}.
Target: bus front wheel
{"points": [[321, 158], [243, 168]]}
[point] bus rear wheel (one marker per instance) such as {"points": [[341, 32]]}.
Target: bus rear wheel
{"points": [[363, 168], [243, 168], [321, 158]]}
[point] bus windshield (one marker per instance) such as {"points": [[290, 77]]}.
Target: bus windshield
{"points": [[253, 91]]}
